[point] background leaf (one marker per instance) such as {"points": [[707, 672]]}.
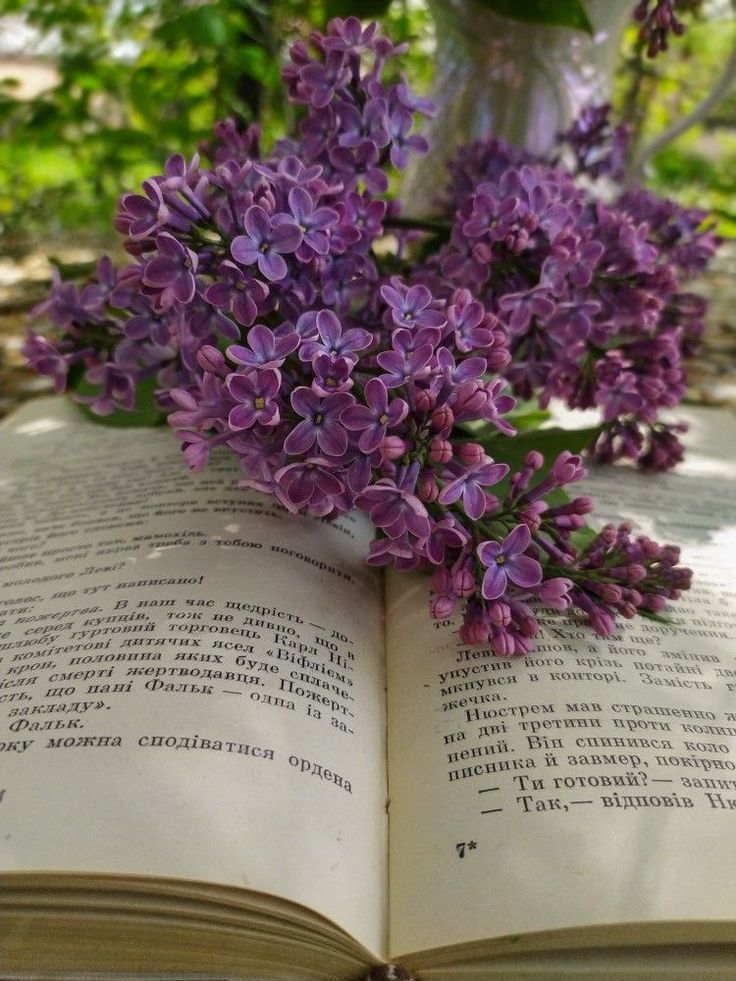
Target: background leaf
{"points": [[550, 442], [146, 412], [560, 13]]}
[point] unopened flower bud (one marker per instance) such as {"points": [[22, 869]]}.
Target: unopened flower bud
{"points": [[442, 418], [393, 447], [499, 614], [423, 402], [471, 399], [463, 582], [470, 454], [428, 489], [533, 460], [607, 534], [474, 631], [503, 642], [442, 606], [609, 592], [441, 580], [567, 468], [440, 450], [554, 588], [210, 359]]}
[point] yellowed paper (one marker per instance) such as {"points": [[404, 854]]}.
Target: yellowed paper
{"points": [[593, 782], [191, 681]]}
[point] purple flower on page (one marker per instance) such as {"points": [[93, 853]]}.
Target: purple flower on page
{"points": [[401, 143], [333, 341], [312, 223], [265, 243], [469, 485], [403, 368], [257, 395], [577, 267], [400, 551], [237, 292], [172, 271], [195, 449], [506, 561], [331, 374], [393, 506], [373, 419], [447, 533], [310, 484], [410, 307], [320, 424], [265, 349]]}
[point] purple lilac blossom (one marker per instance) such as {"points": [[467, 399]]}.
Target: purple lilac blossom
{"points": [[341, 376]]}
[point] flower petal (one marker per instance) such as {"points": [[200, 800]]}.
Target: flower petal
{"points": [[524, 570], [494, 582], [301, 438], [517, 541]]}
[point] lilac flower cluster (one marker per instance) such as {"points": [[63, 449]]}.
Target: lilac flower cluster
{"points": [[658, 20], [263, 302], [588, 291]]}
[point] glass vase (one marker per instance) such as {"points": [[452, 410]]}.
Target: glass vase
{"points": [[518, 81]]}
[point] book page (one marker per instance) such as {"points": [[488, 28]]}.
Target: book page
{"points": [[593, 782], [191, 680]]}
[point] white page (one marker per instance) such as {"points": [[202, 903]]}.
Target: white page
{"points": [[548, 801], [163, 634]]}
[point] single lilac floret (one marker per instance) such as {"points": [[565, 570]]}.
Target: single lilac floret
{"points": [[266, 242], [321, 423], [506, 561], [374, 419], [257, 395]]}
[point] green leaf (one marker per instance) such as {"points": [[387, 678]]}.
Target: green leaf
{"points": [[582, 537], [550, 442], [523, 418], [364, 9], [560, 13], [146, 412], [657, 617]]}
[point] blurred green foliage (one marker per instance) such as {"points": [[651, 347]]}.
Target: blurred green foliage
{"points": [[699, 168], [140, 79]]}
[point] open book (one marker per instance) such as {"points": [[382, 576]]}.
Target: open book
{"points": [[229, 749]]}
